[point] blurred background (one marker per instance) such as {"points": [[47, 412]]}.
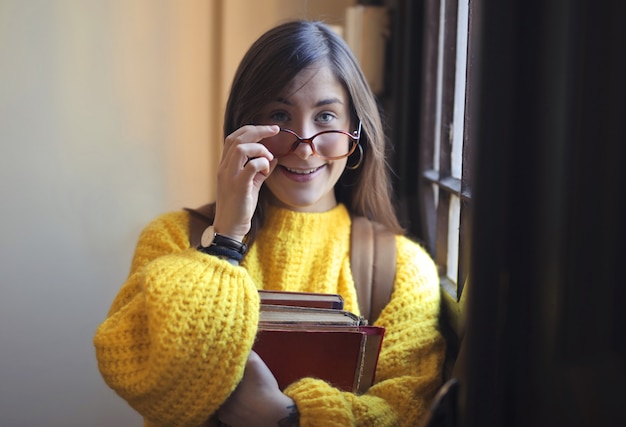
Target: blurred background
{"points": [[110, 114]]}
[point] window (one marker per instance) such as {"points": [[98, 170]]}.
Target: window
{"points": [[445, 149], [425, 100]]}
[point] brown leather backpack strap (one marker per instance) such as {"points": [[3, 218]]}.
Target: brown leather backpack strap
{"points": [[199, 219], [373, 263], [362, 261], [384, 269]]}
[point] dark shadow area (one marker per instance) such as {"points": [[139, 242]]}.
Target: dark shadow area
{"points": [[546, 343]]}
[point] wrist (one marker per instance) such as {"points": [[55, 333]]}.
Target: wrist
{"points": [[226, 228], [212, 243], [230, 235], [210, 237]]}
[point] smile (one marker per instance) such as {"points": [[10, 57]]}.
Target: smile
{"points": [[302, 175], [303, 171]]}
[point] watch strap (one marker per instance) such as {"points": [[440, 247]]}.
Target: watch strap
{"points": [[227, 242], [221, 251]]}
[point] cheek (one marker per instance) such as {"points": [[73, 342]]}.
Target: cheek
{"points": [[337, 169], [270, 182]]}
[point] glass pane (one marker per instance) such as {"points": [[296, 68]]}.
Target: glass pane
{"points": [[459, 89], [453, 238]]}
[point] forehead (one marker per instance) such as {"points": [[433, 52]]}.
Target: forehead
{"points": [[315, 82]]}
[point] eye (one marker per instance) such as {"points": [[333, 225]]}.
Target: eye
{"points": [[325, 117], [279, 117]]}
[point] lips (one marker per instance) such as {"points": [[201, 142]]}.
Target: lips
{"points": [[301, 175], [302, 171]]}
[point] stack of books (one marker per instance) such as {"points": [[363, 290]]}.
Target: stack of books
{"points": [[311, 335]]}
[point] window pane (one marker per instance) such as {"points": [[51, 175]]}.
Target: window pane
{"points": [[459, 89], [454, 219]]}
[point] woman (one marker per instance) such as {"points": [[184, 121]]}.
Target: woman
{"points": [[177, 341]]}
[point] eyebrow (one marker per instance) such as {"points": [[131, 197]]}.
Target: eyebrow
{"points": [[320, 103]]}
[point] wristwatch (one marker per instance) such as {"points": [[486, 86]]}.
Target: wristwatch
{"points": [[208, 235], [213, 243]]}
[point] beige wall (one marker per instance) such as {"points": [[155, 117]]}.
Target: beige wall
{"points": [[110, 113]]}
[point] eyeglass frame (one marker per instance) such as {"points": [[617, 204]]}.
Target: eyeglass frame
{"points": [[355, 136]]}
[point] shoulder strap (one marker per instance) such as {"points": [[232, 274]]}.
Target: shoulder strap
{"points": [[373, 263], [372, 258]]}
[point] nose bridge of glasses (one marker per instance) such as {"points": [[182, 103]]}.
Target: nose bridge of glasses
{"points": [[292, 141]]}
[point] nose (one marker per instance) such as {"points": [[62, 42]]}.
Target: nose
{"points": [[303, 150]]}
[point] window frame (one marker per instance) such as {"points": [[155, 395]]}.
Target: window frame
{"points": [[437, 184]]}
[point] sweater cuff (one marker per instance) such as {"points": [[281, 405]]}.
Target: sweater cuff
{"points": [[320, 404]]}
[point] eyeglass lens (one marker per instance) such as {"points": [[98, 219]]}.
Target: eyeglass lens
{"points": [[328, 144]]}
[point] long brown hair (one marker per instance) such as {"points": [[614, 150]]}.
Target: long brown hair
{"points": [[272, 62]]}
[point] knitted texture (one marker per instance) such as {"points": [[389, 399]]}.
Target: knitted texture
{"points": [[177, 337]]}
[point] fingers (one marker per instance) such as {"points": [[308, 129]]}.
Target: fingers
{"points": [[244, 142], [253, 133], [242, 150]]}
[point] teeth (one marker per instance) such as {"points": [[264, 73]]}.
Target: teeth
{"points": [[301, 172]]}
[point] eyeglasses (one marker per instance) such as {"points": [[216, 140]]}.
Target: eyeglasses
{"points": [[327, 145]]}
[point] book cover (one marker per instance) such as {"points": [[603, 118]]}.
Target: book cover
{"points": [[346, 357]]}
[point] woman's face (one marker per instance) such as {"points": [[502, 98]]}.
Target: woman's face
{"points": [[314, 101]]}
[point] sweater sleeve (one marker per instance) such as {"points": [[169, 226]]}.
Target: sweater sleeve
{"points": [[177, 337], [409, 370]]}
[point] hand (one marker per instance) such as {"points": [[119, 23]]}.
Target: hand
{"points": [[244, 166], [257, 401]]}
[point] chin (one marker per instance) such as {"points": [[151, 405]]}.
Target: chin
{"points": [[304, 204], [301, 206]]}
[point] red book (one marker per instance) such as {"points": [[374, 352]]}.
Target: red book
{"points": [[331, 344], [346, 357]]}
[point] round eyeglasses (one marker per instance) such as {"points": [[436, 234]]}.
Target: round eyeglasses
{"points": [[327, 145]]}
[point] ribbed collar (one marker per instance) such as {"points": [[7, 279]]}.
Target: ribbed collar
{"points": [[306, 226]]}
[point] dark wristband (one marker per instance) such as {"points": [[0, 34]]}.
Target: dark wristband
{"points": [[227, 242], [217, 250]]}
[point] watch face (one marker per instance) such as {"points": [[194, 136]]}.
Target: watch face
{"points": [[207, 237]]}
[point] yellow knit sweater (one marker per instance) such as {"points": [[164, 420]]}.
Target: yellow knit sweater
{"points": [[176, 339]]}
